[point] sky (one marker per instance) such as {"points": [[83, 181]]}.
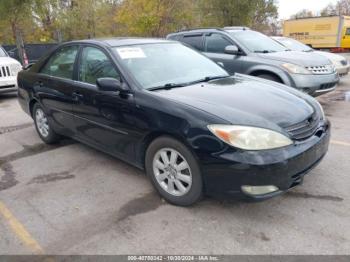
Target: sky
{"points": [[290, 7]]}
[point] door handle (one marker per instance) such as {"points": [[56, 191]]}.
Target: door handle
{"points": [[77, 96]]}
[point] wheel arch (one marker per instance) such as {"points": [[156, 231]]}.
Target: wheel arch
{"points": [[149, 138], [32, 102], [266, 72]]}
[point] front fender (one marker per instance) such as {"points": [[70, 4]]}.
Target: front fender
{"points": [[283, 75]]}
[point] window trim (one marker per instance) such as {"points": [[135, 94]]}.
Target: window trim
{"points": [[52, 54]]}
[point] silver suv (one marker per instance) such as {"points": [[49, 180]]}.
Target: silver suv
{"points": [[241, 50]]}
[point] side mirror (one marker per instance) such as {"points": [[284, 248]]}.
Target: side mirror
{"points": [[232, 50], [110, 84]]}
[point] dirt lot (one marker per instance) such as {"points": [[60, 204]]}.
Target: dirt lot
{"points": [[71, 199]]}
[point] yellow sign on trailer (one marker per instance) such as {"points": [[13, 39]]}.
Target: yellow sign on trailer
{"points": [[320, 32]]}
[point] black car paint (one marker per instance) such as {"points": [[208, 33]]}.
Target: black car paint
{"points": [[124, 125]]}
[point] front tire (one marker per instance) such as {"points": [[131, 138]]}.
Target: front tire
{"points": [[270, 77], [174, 171], [45, 131]]}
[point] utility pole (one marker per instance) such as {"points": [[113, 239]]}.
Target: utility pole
{"points": [[20, 47]]}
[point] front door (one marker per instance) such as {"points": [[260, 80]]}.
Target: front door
{"points": [[102, 119], [215, 45]]}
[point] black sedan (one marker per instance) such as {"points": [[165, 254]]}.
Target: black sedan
{"points": [[165, 108]]}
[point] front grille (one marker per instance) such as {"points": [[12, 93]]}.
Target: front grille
{"points": [[304, 129], [8, 86], [327, 86], [321, 70], [5, 71], [344, 62]]}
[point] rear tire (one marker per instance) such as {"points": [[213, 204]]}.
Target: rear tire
{"points": [[45, 131], [270, 77], [174, 171]]}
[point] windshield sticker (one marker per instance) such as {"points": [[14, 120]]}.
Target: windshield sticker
{"points": [[131, 52]]}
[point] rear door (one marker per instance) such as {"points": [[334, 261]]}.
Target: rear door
{"points": [[214, 48], [102, 119], [54, 87]]}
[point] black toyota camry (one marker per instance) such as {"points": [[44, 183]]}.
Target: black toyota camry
{"points": [[165, 108]]}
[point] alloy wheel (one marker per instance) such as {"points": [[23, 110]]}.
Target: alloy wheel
{"points": [[41, 122], [172, 172]]}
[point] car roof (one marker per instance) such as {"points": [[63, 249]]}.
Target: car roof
{"points": [[123, 41], [211, 29]]}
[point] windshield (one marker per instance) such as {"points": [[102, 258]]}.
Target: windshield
{"points": [[257, 42], [294, 44], [2, 52], [160, 64]]}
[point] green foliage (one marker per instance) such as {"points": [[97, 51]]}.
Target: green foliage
{"points": [[55, 20]]}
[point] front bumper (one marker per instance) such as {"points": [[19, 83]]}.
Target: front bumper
{"points": [[226, 172], [8, 84], [316, 84]]}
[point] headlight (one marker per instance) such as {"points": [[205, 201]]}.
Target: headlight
{"points": [[323, 116], [337, 63], [15, 69], [295, 69], [250, 138]]}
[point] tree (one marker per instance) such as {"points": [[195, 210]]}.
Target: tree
{"points": [[265, 14], [63, 20], [303, 14], [13, 14], [329, 10], [153, 18], [342, 7], [253, 13]]}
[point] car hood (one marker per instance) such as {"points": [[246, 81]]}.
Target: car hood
{"points": [[299, 58], [8, 60], [244, 100], [330, 56]]}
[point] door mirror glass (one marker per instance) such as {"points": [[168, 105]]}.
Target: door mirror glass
{"points": [[232, 49], [110, 84]]}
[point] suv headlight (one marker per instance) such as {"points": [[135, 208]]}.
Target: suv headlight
{"points": [[15, 69], [250, 138], [295, 69]]}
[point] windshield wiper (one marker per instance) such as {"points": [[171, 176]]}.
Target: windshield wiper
{"points": [[264, 51], [174, 85], [165, 87], [206, 79]]}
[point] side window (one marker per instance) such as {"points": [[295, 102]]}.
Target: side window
{"points": [[95, 64], [61, 63], [216, 43], [195, 41]]}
